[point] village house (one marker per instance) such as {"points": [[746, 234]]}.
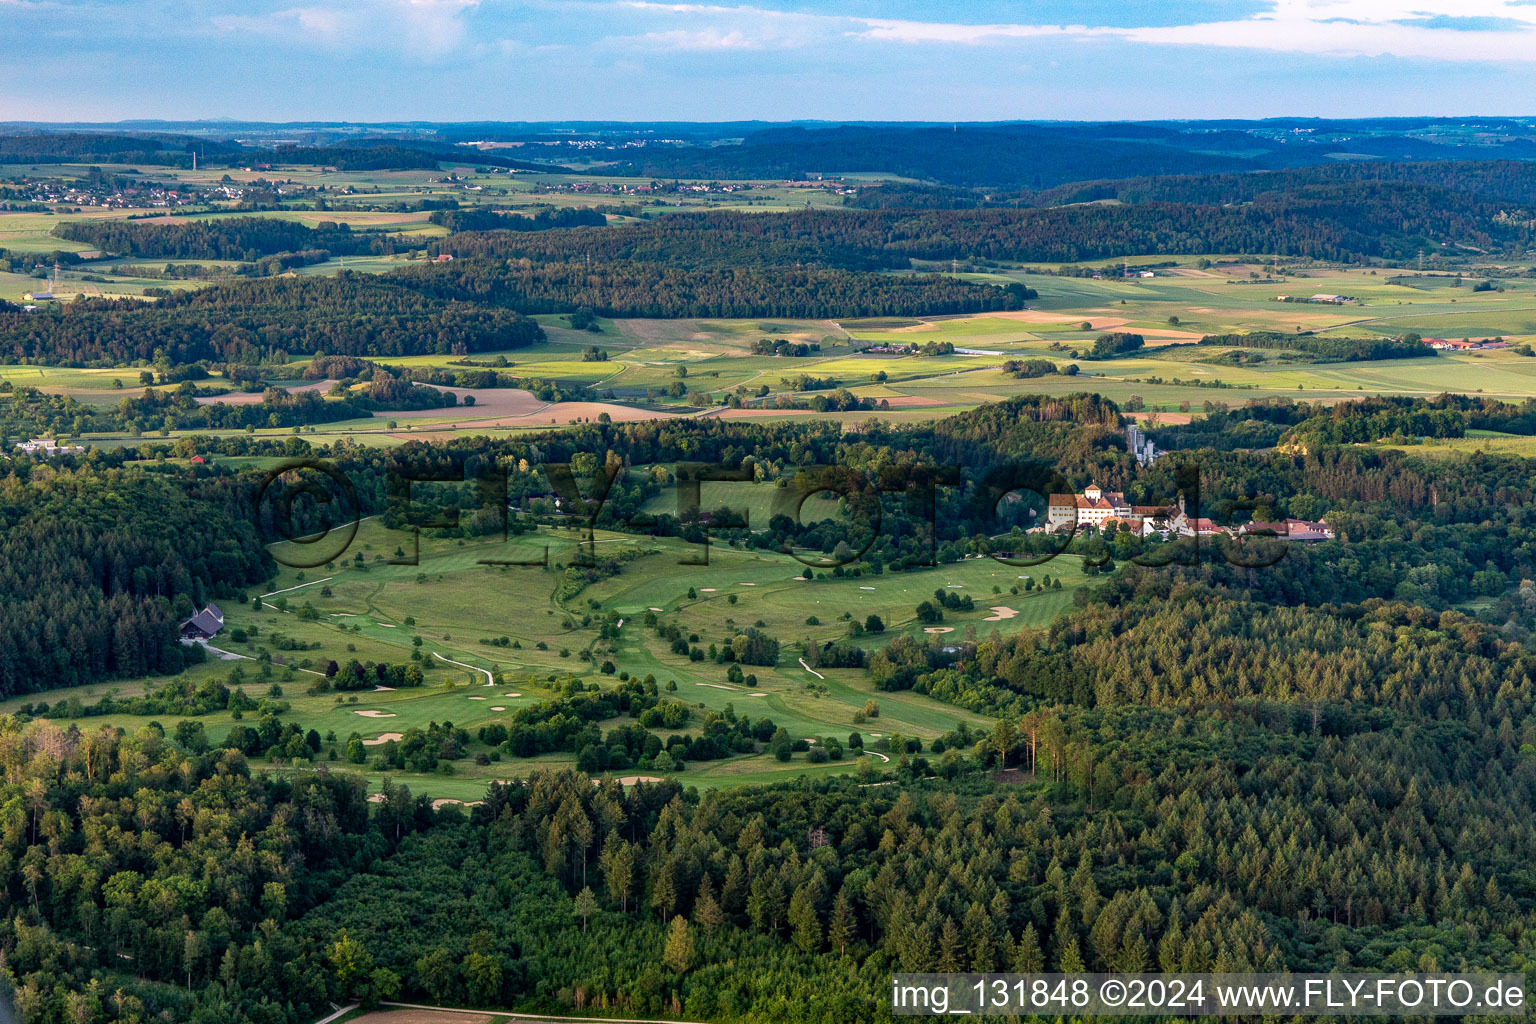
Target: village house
{"points": [[1197, 527], [1291, 529]]}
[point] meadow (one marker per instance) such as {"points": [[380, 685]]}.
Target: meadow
{"points": [[435, 613]]}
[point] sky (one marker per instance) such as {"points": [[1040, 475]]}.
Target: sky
{"points": [[525, 60]]}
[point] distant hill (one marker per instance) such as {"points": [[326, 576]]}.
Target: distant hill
{"points": [[165, 150], [94, 147], [1019, 156], [1042, 156], [1508, 180]]}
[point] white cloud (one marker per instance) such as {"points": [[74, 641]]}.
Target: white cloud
{"points": [[706, 39], [422, 28], [1371, 28], [1448, 30]]}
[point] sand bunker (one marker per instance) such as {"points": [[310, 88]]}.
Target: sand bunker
{"points": [[477, 698], [746, 584], [383, 689], [384, 737], [1001, 612], [498, 708], [444, 801], [375, 714], [511, 695], [939, 629], [630, 780], [706, 590], [654, 609]]}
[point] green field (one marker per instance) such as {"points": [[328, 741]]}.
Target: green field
{"points": [[1176, 307], [372, 610]]}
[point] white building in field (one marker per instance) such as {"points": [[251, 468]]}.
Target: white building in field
{"points": [[47, 447]]}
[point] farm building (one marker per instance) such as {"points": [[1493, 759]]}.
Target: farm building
{"points": [[205, 625], [1291, 529], [1465, 344], [48, 448]]}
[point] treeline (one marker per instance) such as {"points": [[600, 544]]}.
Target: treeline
{"points": [[1511, 181], [219, 238], [640, 289], [1372, 419], [105, 147], [33, 413], [716, 241], [263, 322], [1348, 221], [1029, 368], [1404, 418], [167, 410], [483, 219], [1327, 349], [383, 155]]}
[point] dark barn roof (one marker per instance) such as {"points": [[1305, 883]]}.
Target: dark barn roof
{"points": [[205, 623]]}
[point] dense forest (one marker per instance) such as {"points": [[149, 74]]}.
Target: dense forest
{"points": [[223, 238], [1342, 221], [262, 322], [689, 241], [102, 564], [1327, 349], [481, 219], [1320, 764], [644, 289], [1511, 181], [108, 148]]}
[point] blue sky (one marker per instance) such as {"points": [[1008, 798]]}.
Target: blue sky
{"points": [[450, 60]]}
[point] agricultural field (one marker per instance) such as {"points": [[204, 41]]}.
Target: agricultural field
{"points": [[645, 360]]}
